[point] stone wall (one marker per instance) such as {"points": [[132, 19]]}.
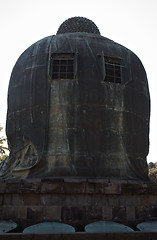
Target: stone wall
{"points": [[82, 236], [77, 201]]}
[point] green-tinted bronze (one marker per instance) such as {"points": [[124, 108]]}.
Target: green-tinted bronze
{"points": [[89, 124]]}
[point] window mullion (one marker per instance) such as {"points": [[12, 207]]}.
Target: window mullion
{"points": [[113, 70], [64, 65]]}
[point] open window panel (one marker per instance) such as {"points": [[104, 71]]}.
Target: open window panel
{"points": [[62, 65], [113, 70]]}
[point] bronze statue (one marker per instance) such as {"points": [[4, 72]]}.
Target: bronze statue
{"points": [[78, 105]]}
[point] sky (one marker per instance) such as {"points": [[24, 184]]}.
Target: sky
{"points": [[132, 23]]}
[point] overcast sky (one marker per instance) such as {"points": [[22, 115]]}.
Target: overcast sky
{"points": [[132, 23]]}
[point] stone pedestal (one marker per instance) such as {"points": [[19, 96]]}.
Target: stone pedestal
{"points": [[82, 236], [77, 201]]}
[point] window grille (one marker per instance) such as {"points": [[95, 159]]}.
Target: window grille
{"points": [[62, 66], [113, 70]]}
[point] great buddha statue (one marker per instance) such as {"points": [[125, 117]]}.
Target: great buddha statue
{"points": [[78, 106]]}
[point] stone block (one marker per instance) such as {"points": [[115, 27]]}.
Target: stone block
{"points": [[75, 180], [12, 187], [98, 180], [31, 199], [153, 189], [9, 212], [107, 213], [118, 181], [66, 213], [144, 200], [154, 212], [142, 212], [1, 211], [95, 188], [53, 213], [97, 200], [73, 188], [119, 213], [30, 185], [133, 200], [17, 199], [94, 212], [78, 213], [130, 188], [2, 187], [22, 212], [152, 199], [112, 200], [112, 188], [77, 200], [7, 199], [52, 199], [1, 198], [52, 187], [130, 213], [35, 213]]}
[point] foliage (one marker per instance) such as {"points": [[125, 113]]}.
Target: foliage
{"points": [[3, 149], [153, 172]]}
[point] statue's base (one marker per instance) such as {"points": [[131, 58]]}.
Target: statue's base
{"points": [[82, 236], [77, 201]]}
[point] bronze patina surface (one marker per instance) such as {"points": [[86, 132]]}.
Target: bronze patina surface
{"points": [[81, 125]]}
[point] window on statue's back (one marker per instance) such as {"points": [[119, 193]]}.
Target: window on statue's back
{"points": [[62, 66], [113, 70]]}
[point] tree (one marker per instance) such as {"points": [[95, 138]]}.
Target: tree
{"points": [[151, 165], [3, 149], [153, 172]]}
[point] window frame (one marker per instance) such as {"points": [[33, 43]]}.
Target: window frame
{"points": [[112, 70], [68, 69]]}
